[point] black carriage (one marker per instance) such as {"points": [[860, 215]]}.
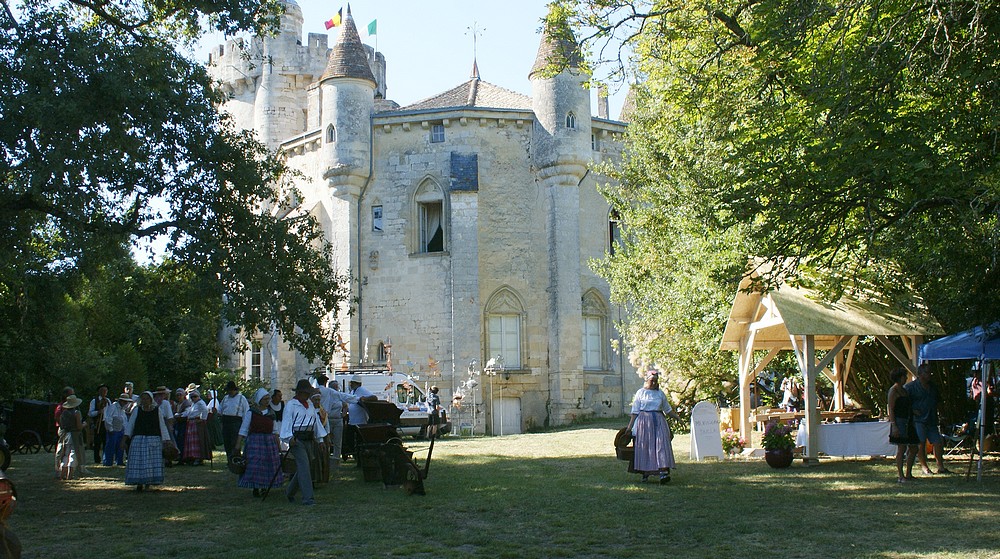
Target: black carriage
{"points": [[32, 427]]}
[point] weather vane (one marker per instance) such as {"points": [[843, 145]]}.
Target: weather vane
{"points": [[476, 32]]}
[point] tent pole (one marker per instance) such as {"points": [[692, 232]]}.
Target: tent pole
{"points": [[983, 395]]}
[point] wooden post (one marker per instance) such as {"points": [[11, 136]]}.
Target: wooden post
{"points": [[809, 373]]}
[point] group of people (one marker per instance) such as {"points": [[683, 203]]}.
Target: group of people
{"points": [[150, 431]]}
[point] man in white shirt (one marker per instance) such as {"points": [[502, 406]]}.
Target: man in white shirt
{"points": [[114, 423], [299, 428], [357, 414], [233, 407], [335, 403]]}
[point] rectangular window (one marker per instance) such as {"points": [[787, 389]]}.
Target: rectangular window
{"points": [[437, 133], [592, 354], [595, 144], [431, 227], [256, 363], [505, 339], [377, 218]]}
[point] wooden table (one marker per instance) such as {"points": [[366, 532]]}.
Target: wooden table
{"points": [[824, 415]]}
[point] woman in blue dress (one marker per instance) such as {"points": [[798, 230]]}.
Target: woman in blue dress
{"points": [[648, 424]]}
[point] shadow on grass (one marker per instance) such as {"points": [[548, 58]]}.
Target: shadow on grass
{"points": [[539, 495]]}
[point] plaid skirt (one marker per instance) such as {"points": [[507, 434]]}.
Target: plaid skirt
{"points": [[196, 441], [263, 460], [653, 451], [145, 461]]}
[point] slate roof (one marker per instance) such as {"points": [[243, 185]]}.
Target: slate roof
{"points": [[474, 93]]}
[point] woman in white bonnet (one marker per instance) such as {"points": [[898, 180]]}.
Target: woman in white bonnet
{"points": [[648, 424], [259, 430]]}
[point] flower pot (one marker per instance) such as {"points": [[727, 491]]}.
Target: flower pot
{"points": [[778, 458]]}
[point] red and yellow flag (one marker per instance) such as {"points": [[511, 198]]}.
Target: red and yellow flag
{"points": [[336, 20]]}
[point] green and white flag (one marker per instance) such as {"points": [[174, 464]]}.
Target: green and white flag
{"points": [[372, 27]]}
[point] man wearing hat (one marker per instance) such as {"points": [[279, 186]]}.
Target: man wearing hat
{"points": [[161, 398], [95, 416], [70, 448], [233, 407], [114, 424], [357, 414], [300, 428]]}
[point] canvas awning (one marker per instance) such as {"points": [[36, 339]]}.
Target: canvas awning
{"points": [[798, 319]]}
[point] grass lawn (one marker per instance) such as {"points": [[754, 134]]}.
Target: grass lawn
{"points": [[555, 494]]}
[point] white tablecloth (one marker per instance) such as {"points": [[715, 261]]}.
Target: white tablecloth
{"points": [[870, 438]]}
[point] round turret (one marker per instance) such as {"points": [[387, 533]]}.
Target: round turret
{"points": [[561, 102], [348, 100]]}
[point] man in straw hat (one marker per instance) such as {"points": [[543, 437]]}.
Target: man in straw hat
{"points": [[161, 397], [70, 448], [300, 428]]}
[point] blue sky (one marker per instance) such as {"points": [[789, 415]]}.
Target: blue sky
{"points": [[428, 44]]}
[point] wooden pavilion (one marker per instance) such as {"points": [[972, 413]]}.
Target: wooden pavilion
{"points": [[823, 337]]}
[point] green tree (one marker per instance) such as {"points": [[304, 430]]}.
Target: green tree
{"points": [[854, 140], [110, 137]]}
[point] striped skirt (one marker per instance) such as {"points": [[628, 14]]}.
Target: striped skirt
{"points": [[145, 461], [263, 460], [653, 451]]}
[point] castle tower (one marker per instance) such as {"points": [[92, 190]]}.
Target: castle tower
{"points": [[561, 152], [277, 109], [347, 90]]}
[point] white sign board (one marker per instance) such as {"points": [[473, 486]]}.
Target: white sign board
{"points": [[706, 440]]}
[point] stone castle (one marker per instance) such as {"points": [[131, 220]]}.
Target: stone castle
{"points": [[466, 220]]}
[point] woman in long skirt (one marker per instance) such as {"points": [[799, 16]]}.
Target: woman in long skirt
{"points": [[648, 424], [145, 435], [196, 444], [261, 451]]}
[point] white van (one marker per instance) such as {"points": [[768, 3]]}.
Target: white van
{"points": [[400, 389]]}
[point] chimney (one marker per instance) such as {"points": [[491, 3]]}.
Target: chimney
{"points": [[602, 101]]}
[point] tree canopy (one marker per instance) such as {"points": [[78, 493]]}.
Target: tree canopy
{"points": [[109, 137], [853, 140]]}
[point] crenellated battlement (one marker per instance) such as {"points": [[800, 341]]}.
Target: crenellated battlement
{"points": [[238, 63]]}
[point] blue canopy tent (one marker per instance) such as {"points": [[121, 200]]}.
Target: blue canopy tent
{"points": [[981, 344]]}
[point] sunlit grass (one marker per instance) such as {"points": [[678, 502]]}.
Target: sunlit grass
{"points": [[556, 494]]}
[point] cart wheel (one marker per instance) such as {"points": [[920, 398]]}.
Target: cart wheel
{"points": [[4, 457], [28, 442], [50, 447]]}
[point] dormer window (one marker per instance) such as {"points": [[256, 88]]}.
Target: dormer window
{"points": [[571, 120], [331, 134]]}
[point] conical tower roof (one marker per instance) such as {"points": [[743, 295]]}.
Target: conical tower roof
{"points": [[557, 49], [349, 58]]}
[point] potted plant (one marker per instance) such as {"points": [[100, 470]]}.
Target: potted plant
{"points": [[732, 442], [778, 443]]}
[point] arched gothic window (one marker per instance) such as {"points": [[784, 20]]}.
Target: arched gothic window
{"points": [[504, 315], [331, 134], [429, 219], [571, 120], [595, 325]]}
